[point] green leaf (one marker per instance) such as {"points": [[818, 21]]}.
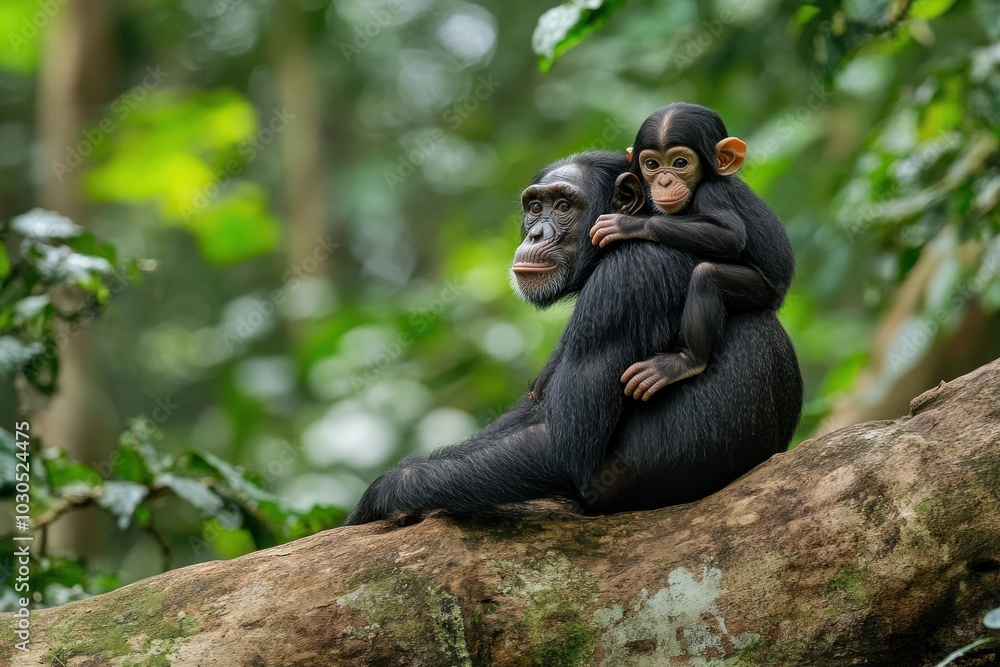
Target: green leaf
{"points": [[4, 262], [68, 476], [563, 27], [143, 517], [31, 307], [8, 448], [235, 479], [930, 9], [21, 44], [804, 14], [86, 244], [42, 225], [140, 459], [193, 492], [229, 542], [121, 499], [14, 353], [62, 264], [236, 227], [128, 465], [316, 519]]}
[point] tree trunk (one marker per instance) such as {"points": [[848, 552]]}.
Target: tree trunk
{"points": [[77, 67], [962, 336], [875, 545]]}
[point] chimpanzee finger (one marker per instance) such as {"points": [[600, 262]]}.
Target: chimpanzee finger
{"points": [[637, 381], [648, 381], [660, 384], [598, 231], [612, 238], [633, 370]]}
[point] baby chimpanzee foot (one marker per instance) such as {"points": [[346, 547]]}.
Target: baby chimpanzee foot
{"points": [[643, 379]]}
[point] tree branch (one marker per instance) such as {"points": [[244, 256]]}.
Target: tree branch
{"points": [[878, 544]]}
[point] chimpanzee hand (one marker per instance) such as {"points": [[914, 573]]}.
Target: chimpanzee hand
{"points": [[380, 500], [370, 507], [538, 386], [645, 378], [613, 227]]}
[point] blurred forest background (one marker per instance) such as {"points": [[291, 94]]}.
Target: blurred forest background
{"points": [[296, 220]]}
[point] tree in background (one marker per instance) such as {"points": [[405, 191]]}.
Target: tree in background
{"points": [[320, 199]]}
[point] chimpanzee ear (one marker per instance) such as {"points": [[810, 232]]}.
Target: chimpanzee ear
{"points": [[629, 195], [628, 153], [729, 154]]}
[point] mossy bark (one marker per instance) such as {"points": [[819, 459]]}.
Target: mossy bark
{"points": [[878, 544]]}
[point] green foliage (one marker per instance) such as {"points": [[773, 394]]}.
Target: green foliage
{"points": [[53, 253], [927, 186], [19, 50], [191, 151], [563, 27], [299, 298], [235, 514], [53, 285]]}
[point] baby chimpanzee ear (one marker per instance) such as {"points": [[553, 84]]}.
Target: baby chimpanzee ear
{"points": [[629, 195], [729, 155], [628, 153]]}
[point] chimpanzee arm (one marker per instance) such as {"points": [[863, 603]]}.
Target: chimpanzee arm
{"points": [[481, 473], [542, 381], [717, 235], [508, 461], [715, 230], [543, 449]]}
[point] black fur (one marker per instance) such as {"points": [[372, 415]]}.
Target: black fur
{"points": [[585, 441], [735, 224]]}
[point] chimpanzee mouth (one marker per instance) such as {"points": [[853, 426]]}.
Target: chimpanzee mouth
{"points": [[533, 267]]}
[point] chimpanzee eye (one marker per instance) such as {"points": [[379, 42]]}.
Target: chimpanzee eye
{"points": [[535, 207], [652, 164], [680, 163], [562, 205]]}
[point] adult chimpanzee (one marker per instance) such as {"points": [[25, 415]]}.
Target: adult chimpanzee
{"points": [[688, 163], [581, 441]]}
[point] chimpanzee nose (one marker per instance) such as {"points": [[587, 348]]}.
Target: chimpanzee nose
{"points": [[536, 232]]}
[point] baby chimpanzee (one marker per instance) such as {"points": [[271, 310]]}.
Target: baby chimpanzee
{"points": [[686, 162]]}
